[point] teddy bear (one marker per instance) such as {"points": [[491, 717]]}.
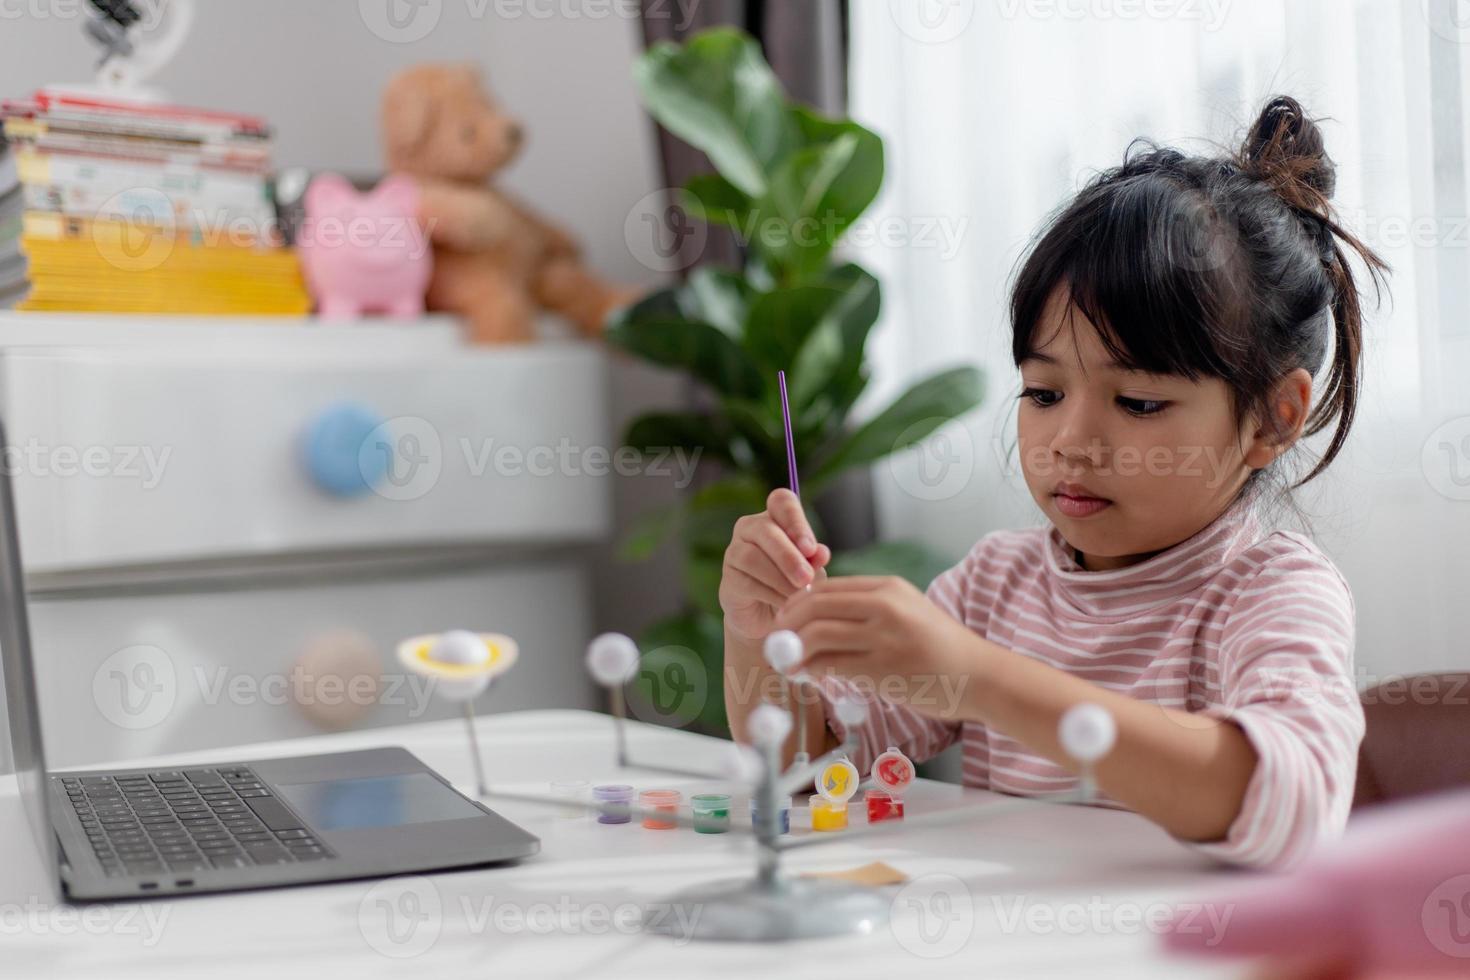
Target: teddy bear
{"points": [[496, 262]]}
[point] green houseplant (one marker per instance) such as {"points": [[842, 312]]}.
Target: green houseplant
{"points": [[789, 182]]}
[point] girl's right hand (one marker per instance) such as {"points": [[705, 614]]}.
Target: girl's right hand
{"points": [[771, 555]]}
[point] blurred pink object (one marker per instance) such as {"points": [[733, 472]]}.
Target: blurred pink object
{"points": [[364, 253], [1390, 898]]}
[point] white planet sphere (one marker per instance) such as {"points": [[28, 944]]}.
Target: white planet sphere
{"points": [[741, 763], [612, 658], [851, 712], [459, 647], [769, 725], [783, 650], [1087, 732], [460, 664]]}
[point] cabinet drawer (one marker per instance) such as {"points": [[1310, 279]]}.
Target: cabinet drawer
{"points": [[129, 675], [142, 457]]}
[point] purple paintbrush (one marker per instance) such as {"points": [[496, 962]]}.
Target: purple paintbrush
{"points": [[790, 442]]}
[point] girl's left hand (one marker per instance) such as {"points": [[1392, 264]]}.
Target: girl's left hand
{"points": [[880, 630]]}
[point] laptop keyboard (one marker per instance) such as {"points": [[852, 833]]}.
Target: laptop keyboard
{"points": [[188, 820]]}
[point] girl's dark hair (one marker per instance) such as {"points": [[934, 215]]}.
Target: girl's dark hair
{"points": [[1231, 266]]}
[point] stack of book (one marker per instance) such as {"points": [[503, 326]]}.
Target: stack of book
{"points": [[111, 206], [12, 262]]}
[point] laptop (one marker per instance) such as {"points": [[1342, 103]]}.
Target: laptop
{"points": [[128, 833]]}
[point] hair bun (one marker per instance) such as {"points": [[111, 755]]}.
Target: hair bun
{"points": [[1285, 150]]}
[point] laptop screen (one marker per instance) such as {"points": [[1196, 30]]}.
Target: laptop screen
{"points": [[27, 843]]}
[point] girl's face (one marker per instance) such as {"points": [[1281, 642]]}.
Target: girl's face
{"points": [[1124, 463]]}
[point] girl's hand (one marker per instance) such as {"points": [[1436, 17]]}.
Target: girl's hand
{"points": [[884, 632], [771, 555]]}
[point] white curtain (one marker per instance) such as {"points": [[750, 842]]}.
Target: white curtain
{"points": [[995, 111]]}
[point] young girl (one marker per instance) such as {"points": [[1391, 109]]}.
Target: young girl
{"points": [[1168, 325]]}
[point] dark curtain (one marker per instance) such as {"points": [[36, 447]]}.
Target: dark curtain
{"points": [[805, 42]]}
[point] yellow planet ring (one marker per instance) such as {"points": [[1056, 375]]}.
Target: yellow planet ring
{"points": [[413, 653]]}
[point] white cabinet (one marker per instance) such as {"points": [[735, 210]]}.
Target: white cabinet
{"points": [[225, 491], [138, 455], [153, 671]]}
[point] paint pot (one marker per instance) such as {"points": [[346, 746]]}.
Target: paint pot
{"points": [[711, 812], [575, 793], [665, 801], [838, 781], [883, 806], [617, 793], [783, 815], [893, 772], [827, 814]]}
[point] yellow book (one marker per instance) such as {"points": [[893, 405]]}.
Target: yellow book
{"points": [[298, 306], [157, 284], [160, 247], [57, 226], [117, 277], [29, 305]]}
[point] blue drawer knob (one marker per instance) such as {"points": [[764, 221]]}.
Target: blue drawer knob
{"points": [[336, 453]]}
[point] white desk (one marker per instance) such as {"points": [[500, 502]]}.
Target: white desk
{"points": [[1056, 891]]}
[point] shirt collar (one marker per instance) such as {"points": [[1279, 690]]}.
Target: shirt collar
{"points": [[1176, 571]]}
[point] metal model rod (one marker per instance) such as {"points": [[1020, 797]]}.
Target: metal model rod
{"points": [[469, 720]]}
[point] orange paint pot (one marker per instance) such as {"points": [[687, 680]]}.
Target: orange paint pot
{"points": [[664, 801]]}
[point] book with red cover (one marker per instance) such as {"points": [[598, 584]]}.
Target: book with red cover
{"points": [[138, 119], [48, 100], [150, 152]]}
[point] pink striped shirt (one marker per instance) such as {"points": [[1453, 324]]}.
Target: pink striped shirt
{"points": [[1229, 623]]}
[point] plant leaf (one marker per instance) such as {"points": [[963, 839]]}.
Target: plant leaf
{"points": [[719, 297], [740, 489], [699, 348], [664, 304], [656, 431], [816, 193], [830, 363], [684, 630], [908, 420], [712, 198], [906, 559], [815, 331], [760, 424], [702, 582], [717, 93], [647, 533], [704, 635], [779, 321], [712, 512]]}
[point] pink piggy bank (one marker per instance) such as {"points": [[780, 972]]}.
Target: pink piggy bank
{"points": [[364, 252]]}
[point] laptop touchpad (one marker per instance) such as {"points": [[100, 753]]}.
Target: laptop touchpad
{"points": [[380, 801]]}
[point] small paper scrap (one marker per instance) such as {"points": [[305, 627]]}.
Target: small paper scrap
{"points": [[875, 875]]}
